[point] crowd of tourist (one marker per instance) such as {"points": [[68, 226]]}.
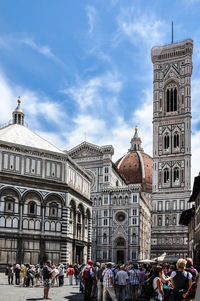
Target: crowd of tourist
{"points": [[117, 282]]}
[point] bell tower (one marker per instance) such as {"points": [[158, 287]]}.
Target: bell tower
{"points": [[172, 70]]}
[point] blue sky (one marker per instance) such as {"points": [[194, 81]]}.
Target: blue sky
{"points": [[83, 68]]}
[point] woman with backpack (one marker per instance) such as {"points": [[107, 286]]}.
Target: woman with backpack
{"points": [[181, 280]]}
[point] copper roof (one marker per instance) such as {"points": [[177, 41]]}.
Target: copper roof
{"points": [[136, 167]]}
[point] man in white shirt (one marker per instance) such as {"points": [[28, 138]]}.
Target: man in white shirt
{"points": [[121, 282], [108, 283]]}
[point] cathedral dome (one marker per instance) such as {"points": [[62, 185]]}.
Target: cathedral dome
{"points": [[136, 166]]}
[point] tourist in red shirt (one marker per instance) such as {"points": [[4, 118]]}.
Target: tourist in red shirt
{"points": [[70, 273]]}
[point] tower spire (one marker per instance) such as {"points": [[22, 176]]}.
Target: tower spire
{"points": [[18, 115], [172, 32]]}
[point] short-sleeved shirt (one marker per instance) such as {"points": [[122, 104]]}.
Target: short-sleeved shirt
{"points": [[121, 278], [184, 273], [107, 274], [134, 276]]}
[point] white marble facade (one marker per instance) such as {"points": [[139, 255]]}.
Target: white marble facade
{"points": [[45, 207], [172, 65], [121, 224]]}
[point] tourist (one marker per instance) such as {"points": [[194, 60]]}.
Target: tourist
{"points": [[76, 273], [88, 276], [55, 275], [17, 270], [181, 280], [10, 274], [70, 273], [108, 283], [99, 279], [157, 283], [37, 275], [61, 274], [121, 280], [134, 280], [47, 274]]}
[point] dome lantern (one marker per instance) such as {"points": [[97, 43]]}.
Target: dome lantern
{"points": [[18, 115], [136, 142]]}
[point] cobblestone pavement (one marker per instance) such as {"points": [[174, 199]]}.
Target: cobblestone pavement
{"points": [[20, 293]]}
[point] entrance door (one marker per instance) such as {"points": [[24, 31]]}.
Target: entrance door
{"points": [[120, 256], [79, 255]]}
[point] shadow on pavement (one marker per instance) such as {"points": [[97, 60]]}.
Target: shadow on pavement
{"points": [[75, 297], [34, 299]]}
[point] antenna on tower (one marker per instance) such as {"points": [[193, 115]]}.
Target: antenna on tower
{"points": [[172, 32]]}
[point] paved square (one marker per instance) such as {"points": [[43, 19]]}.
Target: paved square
{"points": [[20, 293]]}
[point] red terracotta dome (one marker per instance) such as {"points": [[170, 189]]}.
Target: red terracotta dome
{"points": [[136, 166]]}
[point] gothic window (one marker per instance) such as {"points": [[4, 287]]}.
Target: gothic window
{"points": [[104, 237], [176, 174], [176, 140], [106, 178], [105, 222], [134, 198], [134, 238], [166, 175], [174, 220], [167, 221], [105, 213], [117, 183], [166, 141], [32, 208], [106, 169], [171, 99], [135, 212], [134, 220]]}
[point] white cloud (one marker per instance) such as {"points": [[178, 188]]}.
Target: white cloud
{"points": [[91, 14], [45, 50], [8, 41], [34, 105], [140, 28], [93, 92]]}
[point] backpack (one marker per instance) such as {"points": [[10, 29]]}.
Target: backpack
{"points": [[86, 273], [181, 282], [148, 288]]}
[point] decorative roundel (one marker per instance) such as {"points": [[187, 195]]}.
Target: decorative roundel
{"points": [[120, 216], [92, 177]]}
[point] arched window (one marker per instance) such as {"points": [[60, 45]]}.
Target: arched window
{"points": [[9, 204], [166, 141], [134, 238], [176, 174], [174, 220], [171, 99], [176, 140], [166, 175], [32, 208], [159, 221], [104, 237], [53, 210], [167, 221]]}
